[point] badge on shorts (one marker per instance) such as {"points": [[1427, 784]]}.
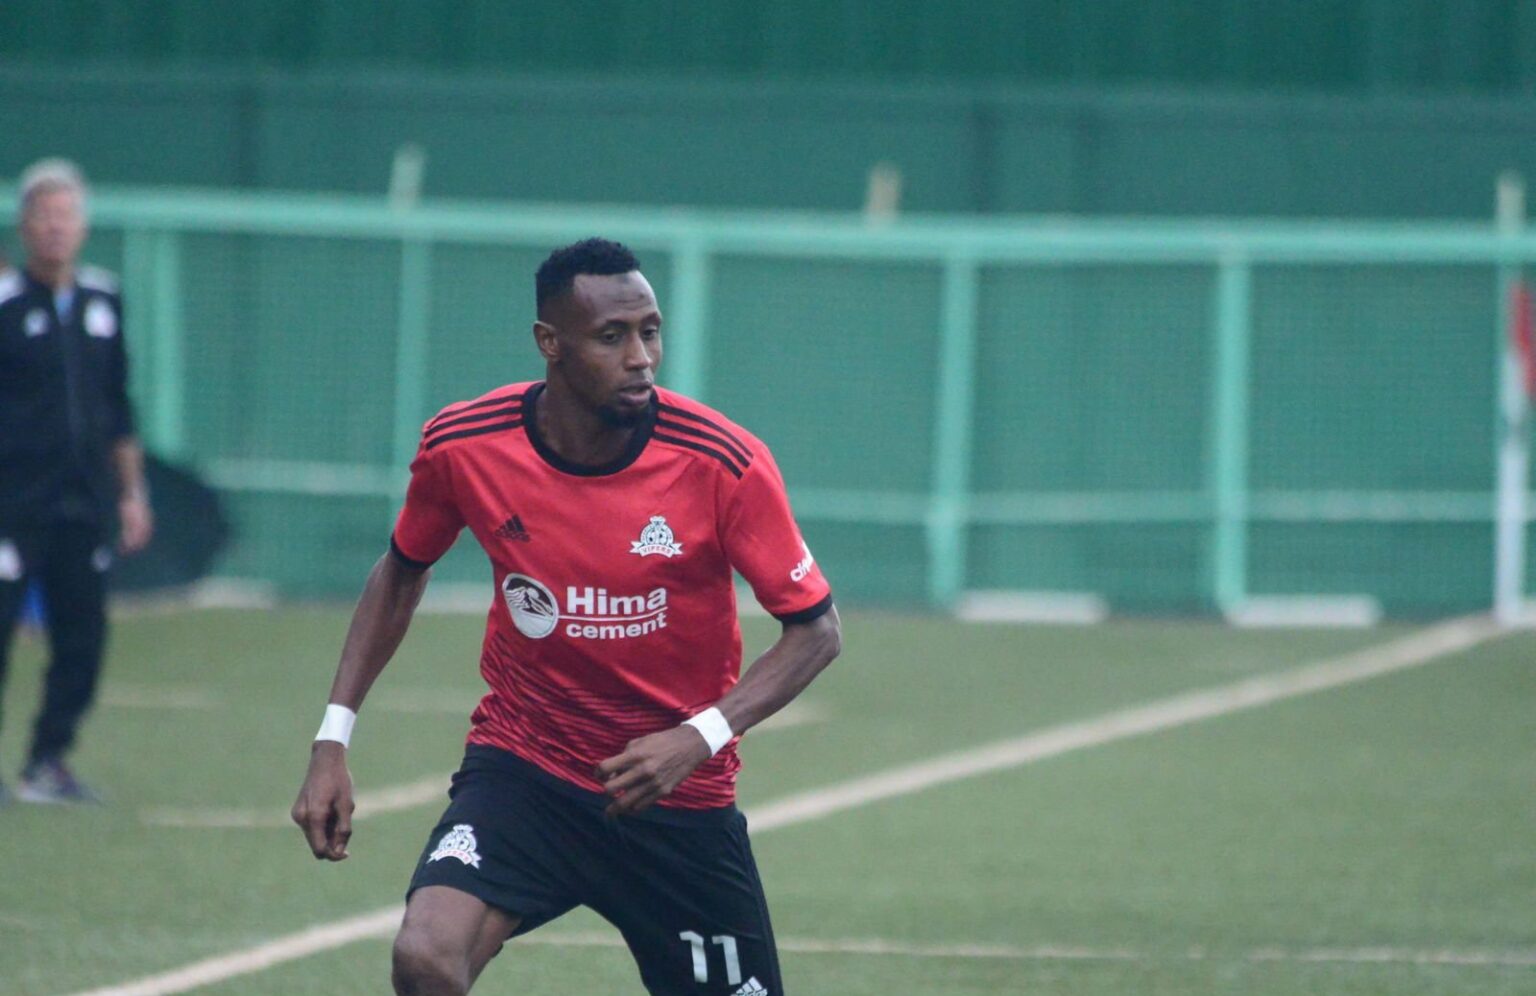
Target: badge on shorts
{"points": [[458, 843]]}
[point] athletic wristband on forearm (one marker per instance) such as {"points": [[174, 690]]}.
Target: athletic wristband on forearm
{"points": [[337, 724], [711, 723]]}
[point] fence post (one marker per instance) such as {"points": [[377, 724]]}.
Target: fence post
{"points": [[152, 274], [950, 485], [415, 304], [1512, 426], [686, 338], [1229, 431]]}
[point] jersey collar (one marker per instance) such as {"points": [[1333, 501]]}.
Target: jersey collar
{"points": [[642, 435]]}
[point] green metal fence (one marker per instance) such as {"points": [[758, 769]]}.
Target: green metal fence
{"points": [[1177, 417]]}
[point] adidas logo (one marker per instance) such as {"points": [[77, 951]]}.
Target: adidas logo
{"points": [[513, 529], [752, 987]]}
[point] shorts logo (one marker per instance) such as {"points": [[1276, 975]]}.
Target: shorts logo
{"points": [[458, 843], [533, 607], [656, 538], [590, 613], [752, 987]]}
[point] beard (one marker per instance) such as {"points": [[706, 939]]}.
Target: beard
{"points": [[614, 418]]}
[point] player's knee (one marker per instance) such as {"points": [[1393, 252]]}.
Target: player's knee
{"points": [[425, 968]]}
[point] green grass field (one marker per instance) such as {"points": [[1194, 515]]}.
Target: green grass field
{"points": [[1378, 837]]}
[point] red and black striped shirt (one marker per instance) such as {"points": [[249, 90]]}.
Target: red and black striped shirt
{"points": [[614, 613]]}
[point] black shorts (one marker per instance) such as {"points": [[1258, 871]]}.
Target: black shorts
{"points": [[680, 884]]}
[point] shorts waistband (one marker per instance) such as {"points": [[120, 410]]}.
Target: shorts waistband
{"points": [[482, 757]]}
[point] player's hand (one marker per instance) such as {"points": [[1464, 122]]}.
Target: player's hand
{"points": [[324, 807], [137, 524], [650, 768]]}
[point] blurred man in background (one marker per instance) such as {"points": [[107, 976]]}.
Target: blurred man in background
{"points": [[73, 470]]}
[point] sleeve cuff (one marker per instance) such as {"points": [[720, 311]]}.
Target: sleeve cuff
{"points": [[411, 562], [811, 614]]}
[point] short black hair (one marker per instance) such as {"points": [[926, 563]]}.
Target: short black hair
{"points": [[599, 257]]}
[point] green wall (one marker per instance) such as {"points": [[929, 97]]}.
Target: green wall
{"points": [[1340, 46], [729, 145]]}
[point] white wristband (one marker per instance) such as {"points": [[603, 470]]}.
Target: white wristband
{"points": [[337, 724], [712, 725]]}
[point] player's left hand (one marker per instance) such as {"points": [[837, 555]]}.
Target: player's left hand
{"points": [[650, 768], [138, 524]]}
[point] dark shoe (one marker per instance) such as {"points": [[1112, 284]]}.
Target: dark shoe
{"points": [[53, 782]]}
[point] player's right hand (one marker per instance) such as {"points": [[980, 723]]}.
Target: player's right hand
{"points": [[324, 807]]}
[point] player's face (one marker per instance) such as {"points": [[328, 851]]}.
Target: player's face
{"points": [[53, 227], [608, 347]]}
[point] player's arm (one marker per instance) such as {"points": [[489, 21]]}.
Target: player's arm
{"points": [[428, 524], [652, 766], [135, 519], [323, 809], [783, 671]]}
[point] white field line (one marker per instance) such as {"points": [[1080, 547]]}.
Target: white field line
{"points": [[373, 803], [798, 713], [382, 924], [396, 797], [306, 942], [1413, 650], [159, 697], [1068, 952]]}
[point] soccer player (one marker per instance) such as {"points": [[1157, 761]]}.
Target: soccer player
{"points": [[601, 766]]}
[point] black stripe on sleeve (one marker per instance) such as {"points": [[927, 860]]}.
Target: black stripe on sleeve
{"points": [[698, 447], [478, 430], [499, 399], [811, 614], [411, 562], [515, 408], [684, 413], [742, 457]]}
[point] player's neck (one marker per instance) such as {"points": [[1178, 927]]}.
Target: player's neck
{"points": [[50, 274], [574, 431]]}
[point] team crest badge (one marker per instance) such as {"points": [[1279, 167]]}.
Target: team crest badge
{"points": [[36, 323], [458, 843], [10, 561], [99, 319], [656, 537]]}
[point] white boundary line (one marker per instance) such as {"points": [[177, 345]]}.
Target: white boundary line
{"points": [[1068, 952], [372, 803], [1413, 650], [395, 798]]}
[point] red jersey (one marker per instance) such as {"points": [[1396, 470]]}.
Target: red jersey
{"points": [[615, 613]]}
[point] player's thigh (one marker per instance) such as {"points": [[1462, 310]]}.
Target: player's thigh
{"points": [[691, 907], [505, 842], [445, 926], [74, 577], [22, 553]]}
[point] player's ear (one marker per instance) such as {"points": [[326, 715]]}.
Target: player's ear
{"points": [[548, 342]]}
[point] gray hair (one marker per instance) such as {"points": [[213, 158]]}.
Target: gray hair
{"points": [[50, 174]]}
